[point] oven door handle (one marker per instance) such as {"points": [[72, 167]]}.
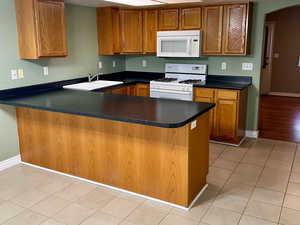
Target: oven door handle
{"points": [[173, 92]]}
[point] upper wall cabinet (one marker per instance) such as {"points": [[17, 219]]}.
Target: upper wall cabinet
{"points": [[168, 19], [131, 31], [41, 28], [191, 18], [226, 29], [108, 20], [150, 27]]}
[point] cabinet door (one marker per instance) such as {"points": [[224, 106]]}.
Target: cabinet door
{"points": [[143, 90], [168, 19], [213, 26], [191, 19], [51, 30], [131, 31], [149, 29], [119, 91], [235, 29], [131, 90]]}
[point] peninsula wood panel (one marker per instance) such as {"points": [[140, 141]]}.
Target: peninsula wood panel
{"points": [[150, 28], [41, 28], [143, 90], [158, 162], [235, 29], [191, 18], [213, 30], [131, 31]]}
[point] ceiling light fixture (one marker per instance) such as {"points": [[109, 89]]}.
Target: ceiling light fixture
{"points": [[136, 2]]}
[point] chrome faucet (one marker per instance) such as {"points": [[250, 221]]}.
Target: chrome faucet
{"points": [[92, 77]]}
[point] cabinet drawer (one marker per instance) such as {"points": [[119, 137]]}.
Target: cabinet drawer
{"points": [[204, 92], [227, 94]]}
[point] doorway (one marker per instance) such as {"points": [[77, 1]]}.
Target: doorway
{"points": [[279, 116]]}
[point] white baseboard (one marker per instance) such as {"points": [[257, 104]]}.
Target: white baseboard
{"points": [[252, 133], [10, 162], [285, 94]]}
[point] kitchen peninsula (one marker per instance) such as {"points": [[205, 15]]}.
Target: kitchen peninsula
{"points": [[153, 147]]}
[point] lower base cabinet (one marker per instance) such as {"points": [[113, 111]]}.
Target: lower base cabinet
{"points": [[131, 90], [228, 119]]}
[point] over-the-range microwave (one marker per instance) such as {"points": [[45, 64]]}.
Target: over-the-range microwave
{"points": [[179, 43]]}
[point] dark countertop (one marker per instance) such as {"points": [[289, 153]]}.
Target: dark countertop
{"points": [[141, 110]]}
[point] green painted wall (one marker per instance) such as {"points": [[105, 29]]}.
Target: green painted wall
{"points": [[234, 64], [82, 59]]}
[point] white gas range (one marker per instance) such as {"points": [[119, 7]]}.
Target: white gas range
{"points": [[179, 81]]}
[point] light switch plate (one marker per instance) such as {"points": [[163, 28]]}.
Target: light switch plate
{"points": [[247, 66], [14, 74], [144, 63], [46, 70], [20, 73], [194, 124], [100, 65], [224, 66], [114, 64]]}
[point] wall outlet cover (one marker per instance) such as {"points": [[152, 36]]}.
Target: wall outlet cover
{"points": [[247, 66], [20, 73], [100, 65], [224, 66], [114, 64], [194, 124], [144, 63], [46, 70], [14, 74]]}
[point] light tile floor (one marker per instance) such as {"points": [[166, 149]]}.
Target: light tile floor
{"points": [[255, 184]]}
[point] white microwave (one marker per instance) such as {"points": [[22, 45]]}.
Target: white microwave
{"points": [[179, 43]]}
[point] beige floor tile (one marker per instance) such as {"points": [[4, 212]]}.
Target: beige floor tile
{"points": [[119, 207], [296, 167], [294, 189], [218, 173], [75, 191], [268, 196], [51, 222], [218, 148], [225, 164], [146, 215], [158, 205], [50, 206], [95, 199], [275, 182], [285, 146], [9, 191], [29, 198], [249, 220], [238, 190], [255, 159], [263, 211], [174, 219], [287, 157], [248, 169], [233, 155], [278, 164], [73, 215], [292, 202], [101, 219], [231, 202], [132, 197], [218, 216], [295, 177], [55, 184], [215, 184], [9, 210], [27, 217], [127, 223], [242, 179], [289, 217]]}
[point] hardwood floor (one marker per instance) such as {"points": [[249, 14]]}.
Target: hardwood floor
{"points": [[279, 118]]}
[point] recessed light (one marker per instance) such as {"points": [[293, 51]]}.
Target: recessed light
{"points": [[136, 2]]}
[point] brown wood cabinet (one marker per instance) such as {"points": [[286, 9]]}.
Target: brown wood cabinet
{"points": [[226, 29], [227, 120], [131, 30], [168, 19], [150, 27], [213, 27], [132, 90], [108, 21], [191, 18], [143, 90], [41, 28]]}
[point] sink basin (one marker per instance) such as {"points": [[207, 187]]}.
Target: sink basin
{"points": [[89, 86]]}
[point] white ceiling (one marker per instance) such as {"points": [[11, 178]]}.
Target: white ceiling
{"points": [[98, 3]]}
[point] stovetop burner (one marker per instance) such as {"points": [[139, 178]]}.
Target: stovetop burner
{"points": [[191, 81], [167, 79]]}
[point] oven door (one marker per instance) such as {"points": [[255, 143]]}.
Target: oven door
{"points": [[175, 47], [168, 94]]}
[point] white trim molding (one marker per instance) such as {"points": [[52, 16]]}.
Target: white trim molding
{"points": [[10, 162], [252, 133], [285, 94]]}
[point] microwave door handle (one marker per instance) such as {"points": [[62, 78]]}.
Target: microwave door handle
{"points": [[189, 47]]}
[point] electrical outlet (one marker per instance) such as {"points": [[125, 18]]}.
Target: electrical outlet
{"points": [[46, 70], [100, 65], [20, 73], [224, 66], [194, 124], [144, 63], [114, 64], [247, 66], [14, 74]]}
